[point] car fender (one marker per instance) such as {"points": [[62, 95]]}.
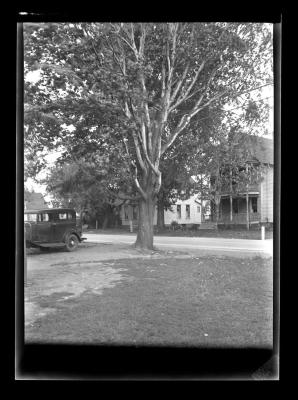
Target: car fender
{"points": [[70, 233]]}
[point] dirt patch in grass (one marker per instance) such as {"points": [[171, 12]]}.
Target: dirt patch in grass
{"points": [[198, 301]]}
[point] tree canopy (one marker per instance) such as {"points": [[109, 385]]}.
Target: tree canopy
{"points": [[133, 89]]}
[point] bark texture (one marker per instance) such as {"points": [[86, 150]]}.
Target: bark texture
{"points": [[145, 227]]}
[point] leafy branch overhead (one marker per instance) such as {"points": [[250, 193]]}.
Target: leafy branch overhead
{"points": [[141, 76]]}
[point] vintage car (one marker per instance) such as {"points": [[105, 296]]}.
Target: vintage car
{"points": [[53, 227]]}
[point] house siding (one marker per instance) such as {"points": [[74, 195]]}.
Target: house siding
{"points": [[194, 218], [266, 198]]}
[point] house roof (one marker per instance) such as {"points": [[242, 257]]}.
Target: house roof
{"points": [[34, 200], [261, 149], [35, 196]]}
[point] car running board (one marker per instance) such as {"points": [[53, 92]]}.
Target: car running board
{"points": [[59, 244]]}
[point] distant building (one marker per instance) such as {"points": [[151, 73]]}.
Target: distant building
{"points": [[34, 201]]}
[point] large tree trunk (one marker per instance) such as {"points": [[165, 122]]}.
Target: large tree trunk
{"points": [[160, 215], [145, 228], [217, 203], [216, 213]]}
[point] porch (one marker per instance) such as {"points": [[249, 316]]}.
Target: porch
{"points": [[240, 218], [236, 210]]}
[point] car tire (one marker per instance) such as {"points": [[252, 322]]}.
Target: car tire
{"points": [[71, 242]]}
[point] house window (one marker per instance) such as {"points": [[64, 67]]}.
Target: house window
{"points": [[235, 206], [45, 217], [126, 213], [62, 216], [69, 215], [179, 211], [198, 209], [254, 204], [187, 211], [30, 217]]}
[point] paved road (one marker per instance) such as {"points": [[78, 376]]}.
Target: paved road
{"points": [[207, 245]]}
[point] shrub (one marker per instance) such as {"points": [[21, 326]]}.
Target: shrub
{"points": [[174, 225]]}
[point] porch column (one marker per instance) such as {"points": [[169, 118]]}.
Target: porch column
{"points": [[231, 198], [217, 199], [247, 200], [247, 211], [202, 200], [231, 208]]}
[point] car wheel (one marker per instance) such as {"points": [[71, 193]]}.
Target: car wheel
{"points": [[72, 242]]}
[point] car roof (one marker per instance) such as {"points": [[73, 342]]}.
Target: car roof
{"points": [[50, 210]]}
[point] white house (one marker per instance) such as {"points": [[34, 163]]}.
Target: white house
{"points": [[186, 212]]}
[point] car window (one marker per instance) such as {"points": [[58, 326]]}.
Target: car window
{"points": [[69, 215], [62, 216]]}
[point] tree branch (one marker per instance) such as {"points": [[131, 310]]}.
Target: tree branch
{"points": [[163, 79], [186, 119], [133, 48], [138, 153], [146, 114], [172, 35], [169, 65], [180, 81], [157, 184], [184, 96], [156, 171], [142, 41], [93, 47], [136, 182]]}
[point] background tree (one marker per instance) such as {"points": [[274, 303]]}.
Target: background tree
{"points": [[82, 184], [143, 83]]}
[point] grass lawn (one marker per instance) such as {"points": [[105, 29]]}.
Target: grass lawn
{"points": [[206, 301], [253, 234]]}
